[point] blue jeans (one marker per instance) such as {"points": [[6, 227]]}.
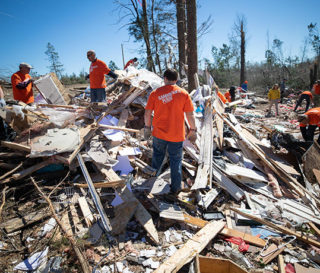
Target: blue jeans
{"points": [[175, 155], [97, 94]]}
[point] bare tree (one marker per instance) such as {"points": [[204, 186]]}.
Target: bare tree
{"points": [[239, 38], [138, 24], [181, 29], [192, 43]]}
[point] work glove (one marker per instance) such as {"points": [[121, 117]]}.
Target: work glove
{"points": [[192, 135], [147, 132], [113, 75]]}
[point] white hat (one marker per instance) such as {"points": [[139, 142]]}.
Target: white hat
{"points": [[25, 65]]}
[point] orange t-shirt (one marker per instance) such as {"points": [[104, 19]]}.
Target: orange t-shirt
{"points": [[97, 71], [307, 93], [26, 94], [222, 97], [314, 117], [227, 96], [316, 88], [129, 63], [169, 104]]}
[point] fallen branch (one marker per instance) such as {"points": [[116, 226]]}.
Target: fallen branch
{"points": [[83, 262]]}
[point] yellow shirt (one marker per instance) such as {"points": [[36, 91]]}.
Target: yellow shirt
{"points": [[274, 94]]}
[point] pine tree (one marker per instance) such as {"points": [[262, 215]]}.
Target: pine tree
{"points": [[53, 58]]}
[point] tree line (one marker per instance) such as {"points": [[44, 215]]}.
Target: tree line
{"points": [[168, 33]]}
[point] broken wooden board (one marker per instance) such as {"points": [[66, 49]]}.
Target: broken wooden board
{"points": [[141, 214], [301, 269], [270, 253], [16, 146], [244, 175], [192, 247], [317, 175], [78, 226], [229, 232], [111, 184], [218, 265], [123, 214], [219, 122], [225, 183], [20, 222], [88, 217], [300, 236]]}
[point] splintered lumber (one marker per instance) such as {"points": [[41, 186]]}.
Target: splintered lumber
{"points": [[236, 192], [123, 214], [16, 146], [274, 252], [314, 228], [219, 122], [113, 184], [284, 176], [118, 128], [94, 194], [31, 170], [88, 217], [75, 218], [205, 158], [229, 232], [141, 214], [191, 248], [299, 235], [20, 222], [281, 264], [82, 260]]}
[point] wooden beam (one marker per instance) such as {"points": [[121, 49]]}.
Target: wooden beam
{"points": [[119, 128], [229, 232], [299, 235], [113, 184], [88, 217], [191, 248], [16, 146]]}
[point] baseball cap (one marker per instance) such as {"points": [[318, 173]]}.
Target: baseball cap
{"points": [[25, 65]]}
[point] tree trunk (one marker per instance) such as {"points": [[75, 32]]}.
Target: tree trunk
{"points": [[146, 36], [181, 29], [154, 35], [192, 43], [243, 53]]}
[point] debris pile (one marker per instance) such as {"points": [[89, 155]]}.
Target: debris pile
{"points": [[78, 193]]}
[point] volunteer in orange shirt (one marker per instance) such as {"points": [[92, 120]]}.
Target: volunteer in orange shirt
{"points": [[306, 95], [98, 83], [316, 92], [309, 122], [131, 62], [22, 84], [169, 104]]}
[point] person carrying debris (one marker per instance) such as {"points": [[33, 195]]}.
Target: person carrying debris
{"points": [[274, 97], [98, 83], [316, 93], [133, 62], [309, 122], [307, 96], [230, 95], [22, 84], [169, 104]]}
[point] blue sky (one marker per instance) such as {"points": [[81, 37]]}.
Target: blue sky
{"points": [[74, 27]]}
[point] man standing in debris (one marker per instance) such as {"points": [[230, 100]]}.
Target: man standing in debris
{"points": [[309, 122], [316, 93], [169, 104], [22, 84], [98, 83], [133, 62]]}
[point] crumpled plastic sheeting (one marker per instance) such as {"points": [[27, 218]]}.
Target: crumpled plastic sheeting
{"points": [[34, 261], [144, 75]]}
